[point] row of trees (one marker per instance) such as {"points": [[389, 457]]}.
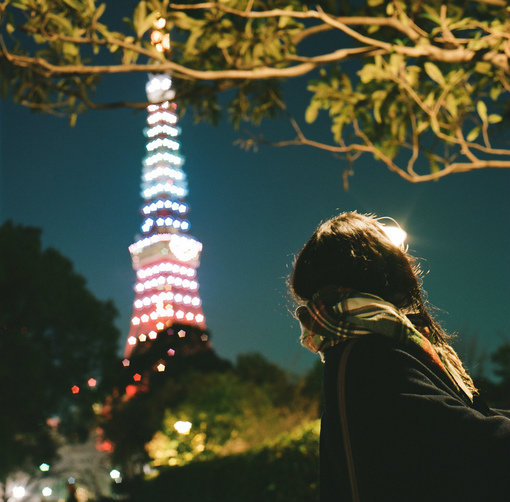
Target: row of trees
{"points": [[55, 337], [229, 409]]}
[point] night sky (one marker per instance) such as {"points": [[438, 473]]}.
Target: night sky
{"points": [[252, 212]]}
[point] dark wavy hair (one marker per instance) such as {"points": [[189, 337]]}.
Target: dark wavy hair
{"points": [[353, 251]]}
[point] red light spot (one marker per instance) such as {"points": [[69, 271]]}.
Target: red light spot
{"points": [[131, 390], [137, 377], [104, 446], [53, 422], [75, 389], [170, 352], [92, 382]]}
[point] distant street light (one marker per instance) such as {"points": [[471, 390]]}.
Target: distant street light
{"points": [[18, 492], [44, 467], [46, 491], [115, 475]]}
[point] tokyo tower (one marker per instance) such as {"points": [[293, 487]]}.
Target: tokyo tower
{"points": [[165, 257]]}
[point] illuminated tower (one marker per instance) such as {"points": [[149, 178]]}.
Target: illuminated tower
{"points": [[165, 257]]}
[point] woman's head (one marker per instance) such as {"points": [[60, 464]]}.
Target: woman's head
{"points": [[353, 251]]}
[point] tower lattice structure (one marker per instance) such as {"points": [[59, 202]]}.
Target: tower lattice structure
{"points": [[165, 257]]}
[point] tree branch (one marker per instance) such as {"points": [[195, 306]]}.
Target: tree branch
{"points": [[263, 72]]}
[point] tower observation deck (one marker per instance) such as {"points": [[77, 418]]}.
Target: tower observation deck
{"points": [[165, 257]]}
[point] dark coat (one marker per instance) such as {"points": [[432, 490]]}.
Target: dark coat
{"points": [[414, 437]]}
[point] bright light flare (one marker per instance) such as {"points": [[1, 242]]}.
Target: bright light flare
{"points": [[396, 235], [182, 427], [114, 474], [160, 23], [18, 492], [46, 491]]}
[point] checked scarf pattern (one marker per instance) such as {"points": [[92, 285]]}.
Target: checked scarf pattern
{"points": [[335, 315]]}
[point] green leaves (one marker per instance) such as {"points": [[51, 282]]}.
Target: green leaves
{"points": [[66, 336], [421, 79], [481, 108], [434, 73], [143, 20], [311, 112], [474, 133]]}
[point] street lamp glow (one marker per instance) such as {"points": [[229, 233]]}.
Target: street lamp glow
{"points": [[46, 491], [44, 467], [18, 492], [395, 234], [182, 427], [114, 474]]}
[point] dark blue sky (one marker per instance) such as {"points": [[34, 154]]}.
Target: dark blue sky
{"points": [[252, 211]]}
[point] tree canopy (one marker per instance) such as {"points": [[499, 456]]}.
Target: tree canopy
{"points": [[420, 86], [55, 336]]}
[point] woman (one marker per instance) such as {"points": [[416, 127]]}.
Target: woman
{"points": [[402, 420]]}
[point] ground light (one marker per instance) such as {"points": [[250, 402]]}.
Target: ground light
{"points": [[182, 427], [18, 492], [115, 475]]}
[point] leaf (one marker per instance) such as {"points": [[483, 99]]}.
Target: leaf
{"points": [[375, 3], [70, 49], [495, 92], [74, 4], [99, 12], [494, 118], [10, 28], [371, 72], [72, 119], [284, 21], [434, 166], [226, 42], [434, 73], [147, 23], [64, 23], [139, 16], [395, 63], [311, 113], [20, 5], [481, 108], [378, 98], [422, 126], [473, 134], [430, 99], [129, 57], [451, 105], [483, 67]]}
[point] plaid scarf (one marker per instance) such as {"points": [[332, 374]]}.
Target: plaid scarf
{"points": [[336, 315]]}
